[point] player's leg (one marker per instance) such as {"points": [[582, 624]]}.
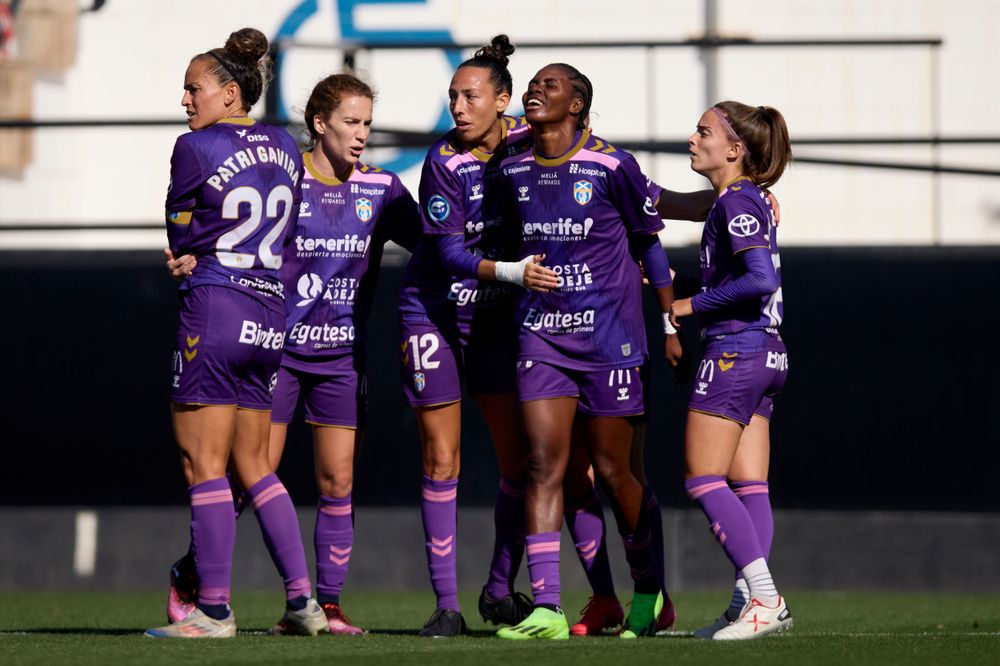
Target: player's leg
{"points": [[610, 439], [204, 435], [498, 601], [585, 522], [430, 370], [278, 521], [548, 424], [336, 408]]}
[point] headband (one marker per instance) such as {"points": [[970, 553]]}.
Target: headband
{"points": [[729, 129], [226, 67]]}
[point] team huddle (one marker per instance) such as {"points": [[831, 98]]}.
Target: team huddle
{"points": [[531, 240]]}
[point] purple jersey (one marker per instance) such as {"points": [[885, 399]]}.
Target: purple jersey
{"points": [[332, 263], [458, 196], [232, 201], [579, 210], [739, 220]]}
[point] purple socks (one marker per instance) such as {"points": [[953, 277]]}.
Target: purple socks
{"points": [[334, 539], [757, 501], [280, 527], [729, 520], [213, 535], [585, 521], [508, 549], [439, 509], [543, 567]]}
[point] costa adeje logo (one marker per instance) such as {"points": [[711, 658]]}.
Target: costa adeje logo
{"points": [[309, 286], [583, 190], [744, 225], [438, 208], [363, 207]]}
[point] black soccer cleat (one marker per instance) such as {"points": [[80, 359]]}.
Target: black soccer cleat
{"points": [[511, 609], [444, 623]]}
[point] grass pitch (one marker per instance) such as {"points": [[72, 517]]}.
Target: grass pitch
{"points": [[103, 628]]}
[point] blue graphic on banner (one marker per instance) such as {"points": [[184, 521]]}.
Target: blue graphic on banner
{"points": [[407, 157]]}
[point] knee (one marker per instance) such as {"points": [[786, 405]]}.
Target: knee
{"points": [[441, 466]]}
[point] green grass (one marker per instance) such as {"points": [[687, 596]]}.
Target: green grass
{"points": [[871, 628]]}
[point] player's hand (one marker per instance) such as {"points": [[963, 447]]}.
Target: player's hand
{"points": [[680, 308], [774, 206], [676, 357], [182, 266], [538, 277]]}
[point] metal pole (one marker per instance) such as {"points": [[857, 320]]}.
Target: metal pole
{"points": [[710, 54]]}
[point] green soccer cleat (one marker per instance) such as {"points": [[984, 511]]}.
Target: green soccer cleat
{"points": [[641, 620], [541, 624]]}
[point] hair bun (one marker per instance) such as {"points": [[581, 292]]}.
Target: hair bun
{"points": [[247, 44], [498, 49]]}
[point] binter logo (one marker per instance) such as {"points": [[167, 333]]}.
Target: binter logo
{"points": [[254, 333], [777, 360]]}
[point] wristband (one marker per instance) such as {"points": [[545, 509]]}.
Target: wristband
{"points": [[668, 328], [512, 271]]}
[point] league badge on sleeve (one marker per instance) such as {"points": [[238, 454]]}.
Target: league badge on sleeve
{"points": [[363, 207], [438, 208], [583, 190]]}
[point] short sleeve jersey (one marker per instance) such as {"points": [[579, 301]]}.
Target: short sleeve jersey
{"points": [[232, 201], [332, 263], [740, 219], [458, 195], [580, 210]]}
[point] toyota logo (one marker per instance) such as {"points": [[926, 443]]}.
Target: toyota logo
{"points": [[744, 225]]}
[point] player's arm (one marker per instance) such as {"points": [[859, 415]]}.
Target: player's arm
{"points": [[685, 205], [185, 177], [758, 279]]}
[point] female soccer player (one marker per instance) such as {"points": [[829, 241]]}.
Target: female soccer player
{"points": [[233, 197], [742, 150], [585, 206], [457, 318], [349, 210]]}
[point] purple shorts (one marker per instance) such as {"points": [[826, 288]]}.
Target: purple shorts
{"points": [[739, 376], [335, 396], [432, 365], [228, 349], [606, 392]]}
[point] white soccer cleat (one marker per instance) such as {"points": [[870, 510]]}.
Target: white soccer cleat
{"points": [[309, 621], [756, 621], [197, 625], [708, 632]]}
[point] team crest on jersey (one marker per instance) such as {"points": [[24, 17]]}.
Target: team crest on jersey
{"points": [[627, 349], [583, 190], [419, 381], [438, 208], [363, 207]]}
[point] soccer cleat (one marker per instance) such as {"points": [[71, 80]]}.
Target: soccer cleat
{"points": [[707, 632], [511, 609], [183, 589], [338, 622], [444, 623], [599, 614], [666, 618], [757, 620], [309, 621], [642, 617], [197, 625], [543, 624]]}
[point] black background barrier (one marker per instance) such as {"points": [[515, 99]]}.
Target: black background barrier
{"points": [[889, 403]]}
